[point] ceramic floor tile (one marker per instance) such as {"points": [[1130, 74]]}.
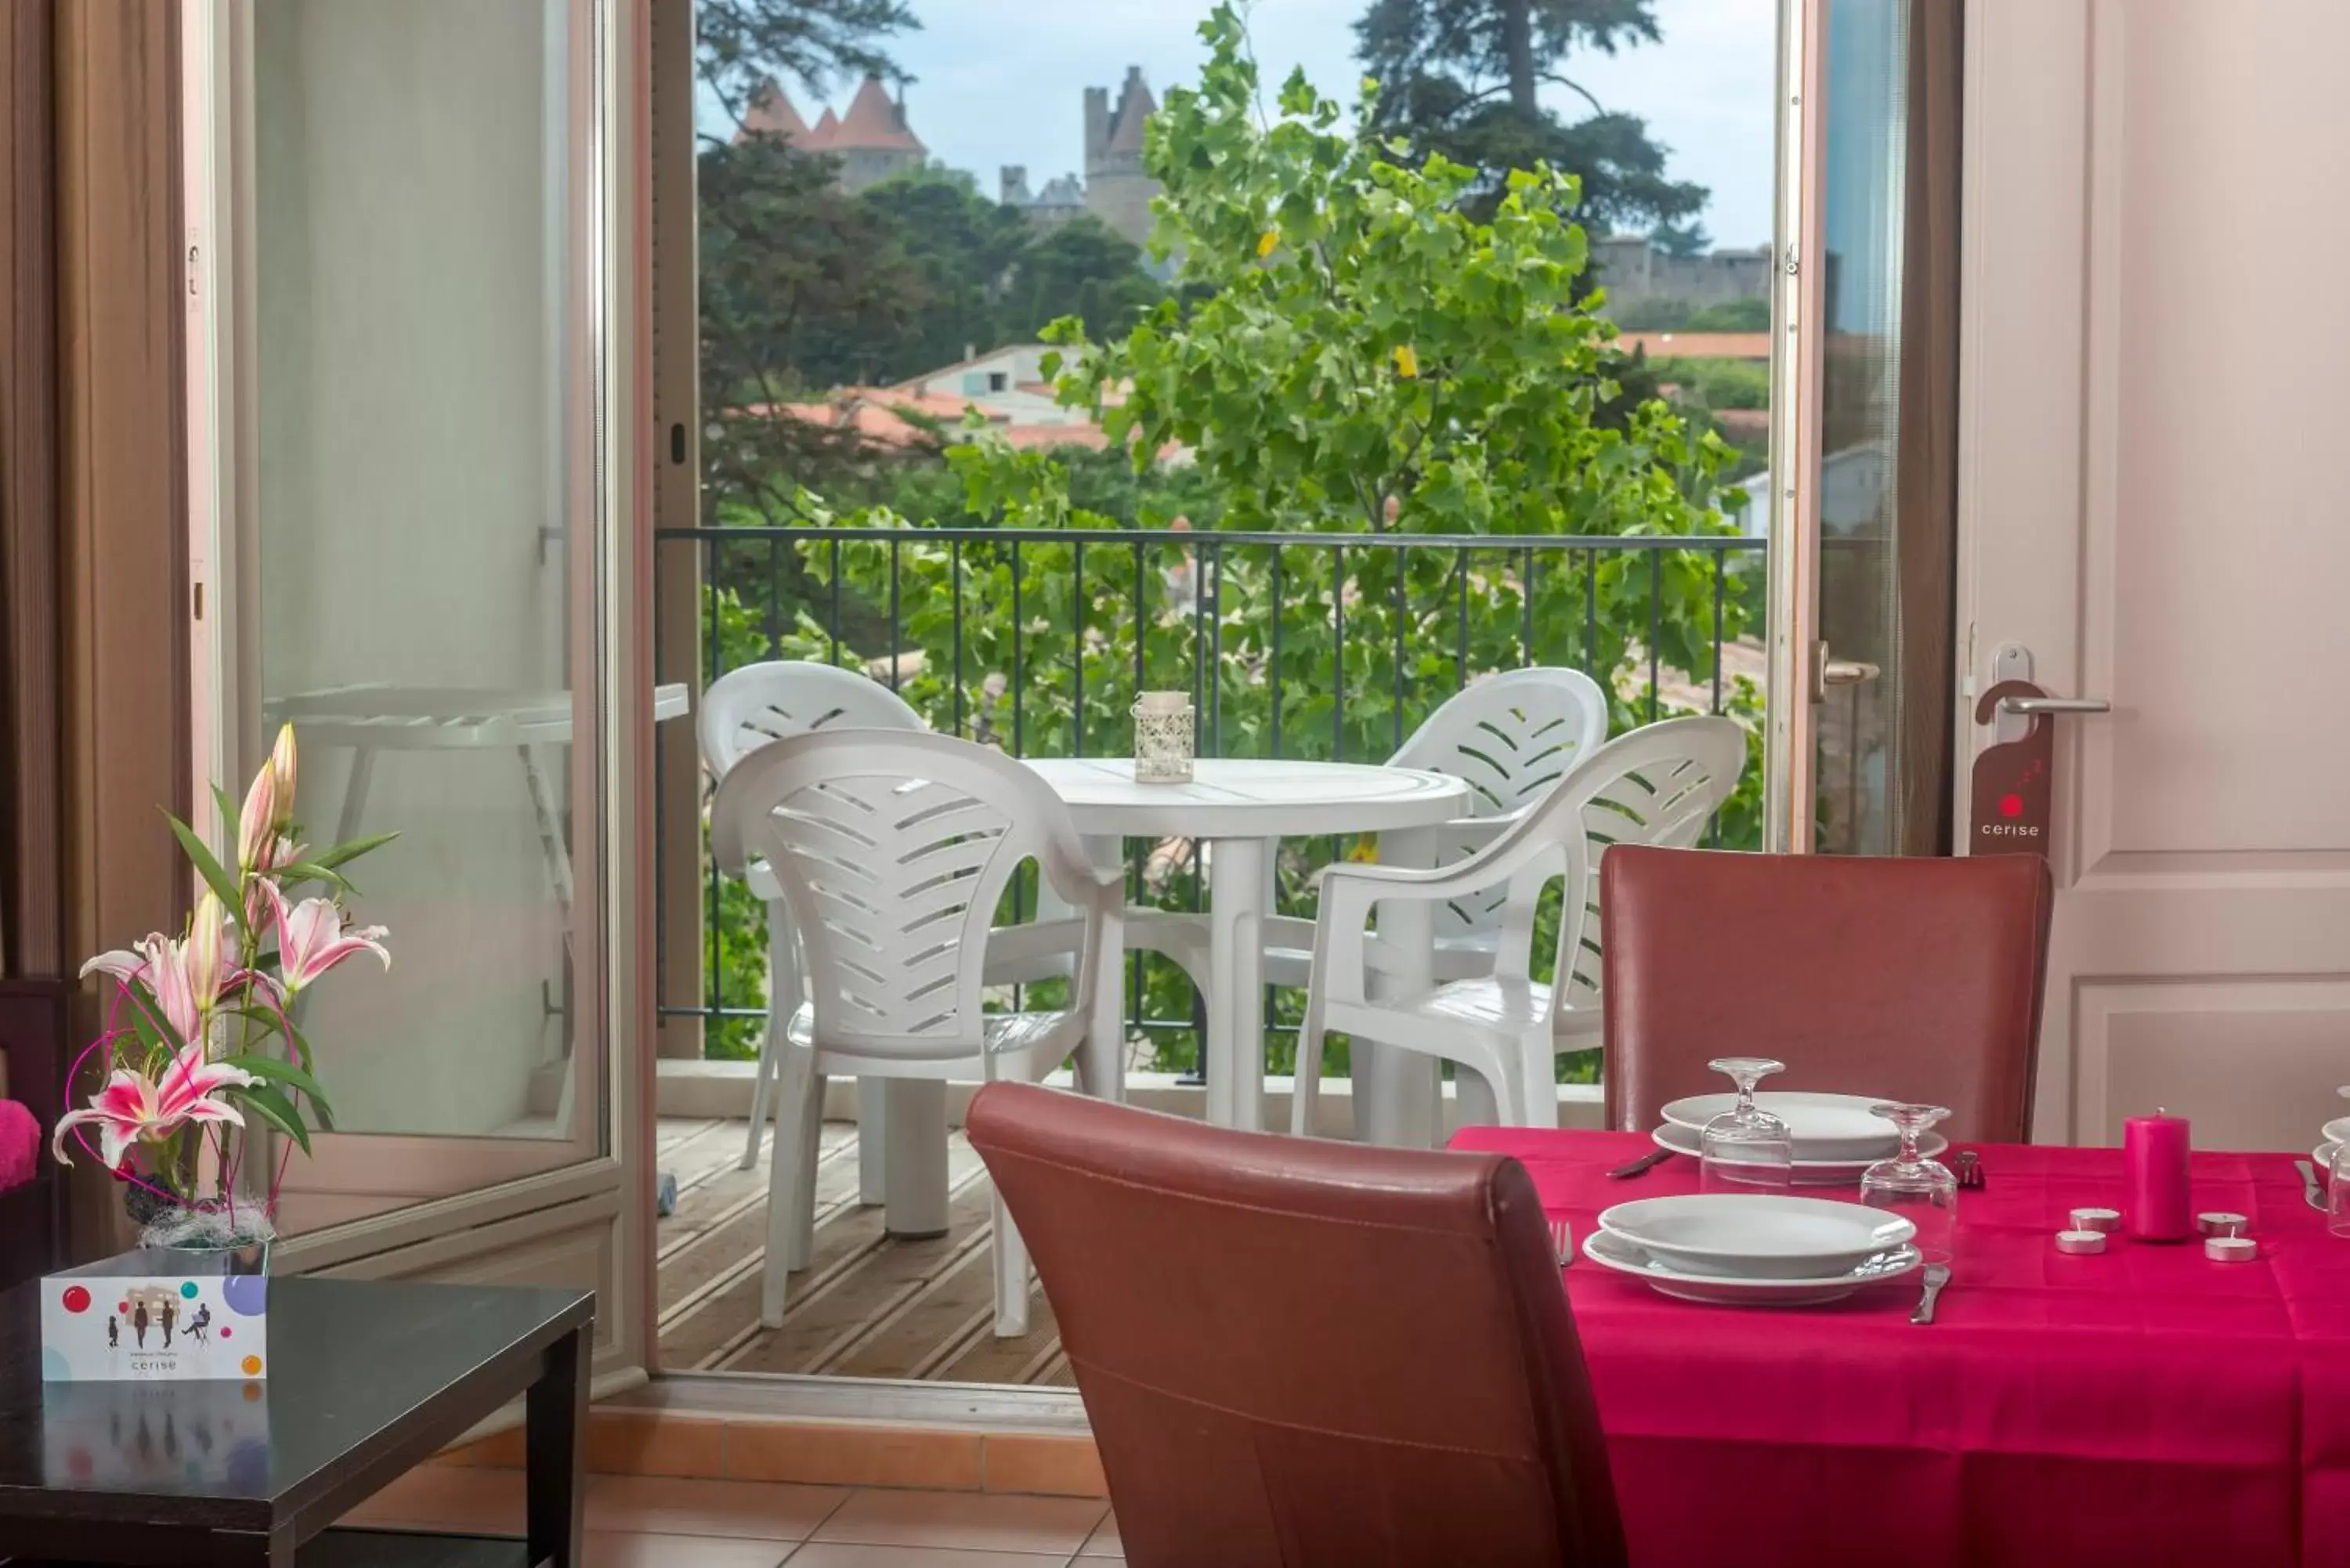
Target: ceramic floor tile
{"points": [[1104, 1542], [971, 1521], [448, 1498], [630, 1548], [663, 1505], [844, 1554]]}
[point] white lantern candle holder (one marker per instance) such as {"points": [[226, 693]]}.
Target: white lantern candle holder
{"points": [[1162, 737]]}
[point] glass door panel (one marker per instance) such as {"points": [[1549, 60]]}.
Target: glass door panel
{"points": [[419, 543], [1884, 492]]}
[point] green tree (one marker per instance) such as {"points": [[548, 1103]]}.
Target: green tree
{"points": [[1465, 77], [741, 43], [803, 290], [1083, 269], [963, 247]]}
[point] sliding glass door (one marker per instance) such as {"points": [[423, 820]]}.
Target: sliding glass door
{"points": [[413, 549]]}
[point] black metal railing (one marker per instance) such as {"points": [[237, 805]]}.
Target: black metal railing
{"points": [[1309, 645]]}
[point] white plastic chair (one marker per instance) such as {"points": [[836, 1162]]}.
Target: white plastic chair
{"points": [[743, 710], [893, 851], [1508, 737], [1659, 785]]}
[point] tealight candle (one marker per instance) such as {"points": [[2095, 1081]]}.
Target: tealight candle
{"points": [[2231, 1249], [2107, 1219], [2219, 1223], [2080, 1243]]}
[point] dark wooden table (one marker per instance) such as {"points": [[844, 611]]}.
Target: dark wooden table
{"points": [[366, 1380]]}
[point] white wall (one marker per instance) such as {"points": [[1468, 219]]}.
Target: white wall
{"points": [[408, 384]]}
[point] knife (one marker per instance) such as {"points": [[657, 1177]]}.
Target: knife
{"points": [[2310, 1188], [1642, 1165]]}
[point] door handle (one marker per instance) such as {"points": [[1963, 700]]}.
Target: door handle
{"points": [[1827, 673], [2027, 705]]}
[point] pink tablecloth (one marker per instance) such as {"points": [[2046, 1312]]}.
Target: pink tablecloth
{"points": [[2145, 1407]]}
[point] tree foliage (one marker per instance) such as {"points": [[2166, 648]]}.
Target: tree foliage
{"points": [[1465, 79], [740, 44]]}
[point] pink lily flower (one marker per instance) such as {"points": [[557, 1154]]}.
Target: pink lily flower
{"points": [[132, 1108], [311, 939], [162, 964]]}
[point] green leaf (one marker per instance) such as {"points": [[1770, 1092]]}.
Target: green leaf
{"points": [[216, 876], [342, 854], [293, 1078], [303, 871], [273, 1109]]}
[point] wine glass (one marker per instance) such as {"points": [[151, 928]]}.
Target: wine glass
{"points": [[1746, 1148], [1921, 1190], [2337, 1192]]}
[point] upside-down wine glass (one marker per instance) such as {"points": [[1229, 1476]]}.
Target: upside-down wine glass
{"points": [[1921, 1190], [1746, 1148]]}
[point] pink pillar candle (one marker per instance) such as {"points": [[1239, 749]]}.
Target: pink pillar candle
{"points": [[2155, 1208]]}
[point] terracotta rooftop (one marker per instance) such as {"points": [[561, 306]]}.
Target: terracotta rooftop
{"points": [[873, 124], [772, 113], [1699, 345]]}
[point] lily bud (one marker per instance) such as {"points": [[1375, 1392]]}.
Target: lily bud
{"points": [[281, 769], [257, 824]]}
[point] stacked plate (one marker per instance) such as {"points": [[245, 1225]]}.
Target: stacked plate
{"points": [[1753, 1249], [1836, 1136]]}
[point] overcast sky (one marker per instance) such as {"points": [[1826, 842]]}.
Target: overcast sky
{"points": [[1001, 83]]}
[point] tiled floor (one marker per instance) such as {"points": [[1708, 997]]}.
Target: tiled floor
{"points": [[644, 1521]]}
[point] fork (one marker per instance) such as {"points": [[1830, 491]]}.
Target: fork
{"points": [[1936, 1276], [1971, 1176]]}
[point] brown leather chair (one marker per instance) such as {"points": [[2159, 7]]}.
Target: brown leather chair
{"points": [[1306, 1354], [1917, 978]]}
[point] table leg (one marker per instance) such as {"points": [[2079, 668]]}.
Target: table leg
{"points": [[554, 1453], [1235, 1046], [917, 1178], [548, 814], [1397, 1098], [1104, 1051], [873, 1141]]}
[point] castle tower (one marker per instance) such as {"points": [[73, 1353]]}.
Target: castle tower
{"points": [[872, 141], [1118, 192]]}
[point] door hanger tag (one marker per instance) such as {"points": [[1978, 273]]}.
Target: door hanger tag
{"points": [[2011, 785]]}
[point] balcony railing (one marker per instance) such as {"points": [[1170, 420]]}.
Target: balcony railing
{"points": [[1308, 645]]}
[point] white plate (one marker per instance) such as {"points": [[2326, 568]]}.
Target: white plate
{"points": [[1806, 1172], [1757, 1235], [1825, 1126], [1613, 1252], [2324, 1155], [2335, 1130]]}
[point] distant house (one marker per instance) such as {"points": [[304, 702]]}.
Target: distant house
{"points": [[1007, 387], [870, 143]]}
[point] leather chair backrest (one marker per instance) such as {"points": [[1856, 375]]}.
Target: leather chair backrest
{"points": [[1306, 1355], [1914, 977]]}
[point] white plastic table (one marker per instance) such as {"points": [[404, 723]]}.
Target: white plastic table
{"points": [[1240, 809], [371, 719]]}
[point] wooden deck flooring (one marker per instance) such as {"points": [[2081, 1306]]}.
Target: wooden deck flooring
{"points": [[867, 1305]]}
